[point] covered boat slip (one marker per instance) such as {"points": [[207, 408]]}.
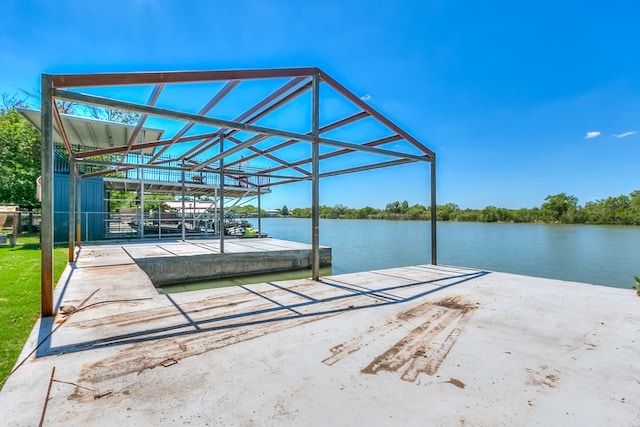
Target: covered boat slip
{"points": [[98, 187], [208, 125]]}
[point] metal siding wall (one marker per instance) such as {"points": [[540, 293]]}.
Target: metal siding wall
{"points": [[92, 210], [92, 200]]}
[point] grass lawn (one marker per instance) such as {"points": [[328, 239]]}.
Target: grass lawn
{"points": [[20, 296]]}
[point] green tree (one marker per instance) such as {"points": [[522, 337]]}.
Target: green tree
{"points": [[494, 214], [417, 212], [121, 199], [560, 208], [394, 207], [447, 212], [19, 160], [634, 206], [339, 211], [284, 211], [367, 212], [301, 212]]}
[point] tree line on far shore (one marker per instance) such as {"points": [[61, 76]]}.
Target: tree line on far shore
{"points": [[559, 208], [20, 167]]}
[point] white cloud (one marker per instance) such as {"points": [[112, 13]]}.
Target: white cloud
{"points": [[365, 97], [592, 134], [625, 134]]}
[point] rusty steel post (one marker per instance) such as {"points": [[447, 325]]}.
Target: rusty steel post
{"points": [[79, 213], [46, 225], [182, 195], [434, 247], [221, 201], [315, 180], [72, 205], [259, 214]]}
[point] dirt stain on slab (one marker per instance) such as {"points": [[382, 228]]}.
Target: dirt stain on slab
{"points": [[426, 347]]}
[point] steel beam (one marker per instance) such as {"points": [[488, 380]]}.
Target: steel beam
{"points": [[172, 114], [434, 247], [221, 202], [46, 225], [226, 89], [259, 213], [176, 115], [136, 131], [61, 130], [72, 206], [347, 171], [327, 128], [367, 167], [79, 213], [366, 107], [247, 117], [315, 180], [143, 146], [374, 143], [182, 191], [123, 79], [246, 144]]}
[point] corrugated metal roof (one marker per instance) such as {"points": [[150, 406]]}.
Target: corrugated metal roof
{"points": [[91, 133]]}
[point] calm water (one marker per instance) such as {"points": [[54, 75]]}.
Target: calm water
{"points": [[605, 255]]}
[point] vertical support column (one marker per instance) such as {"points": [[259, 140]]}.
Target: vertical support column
{"points": [[222, 228], [216, 218], [183, 207], [434, 247], [79, 212], [315, 177], [141, 220], [72, 206], [46, 226], [259, 214]]}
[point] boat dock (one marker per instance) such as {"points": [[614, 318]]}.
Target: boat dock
{"points": [[418, 345], [177, 261]]}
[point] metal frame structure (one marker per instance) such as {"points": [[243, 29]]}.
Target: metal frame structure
{"points": [[221, 143]]}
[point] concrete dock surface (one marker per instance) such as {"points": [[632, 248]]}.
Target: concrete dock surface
{"points": [[422, 345]]}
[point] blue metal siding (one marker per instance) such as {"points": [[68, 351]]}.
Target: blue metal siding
{"points": [[93, 208]]}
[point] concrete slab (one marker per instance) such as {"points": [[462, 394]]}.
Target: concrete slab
{"points": [[421, 345], [168, 262]]}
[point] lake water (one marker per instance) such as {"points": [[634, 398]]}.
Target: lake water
{"points": [[604, 255]]}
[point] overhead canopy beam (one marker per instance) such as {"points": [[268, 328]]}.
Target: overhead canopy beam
{"points": [[228, 172], [141, 146], [366, 107], [121, 79], [335, 125], [134, 135], [212, 103], [173, 114], [258, 111]]}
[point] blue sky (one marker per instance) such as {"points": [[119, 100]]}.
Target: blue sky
{"points": [[519, 100]]}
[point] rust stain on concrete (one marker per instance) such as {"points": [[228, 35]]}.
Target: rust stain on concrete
{"points": [[426, 347]]}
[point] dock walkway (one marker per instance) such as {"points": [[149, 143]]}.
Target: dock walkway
{"points": [[419, 345]]}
